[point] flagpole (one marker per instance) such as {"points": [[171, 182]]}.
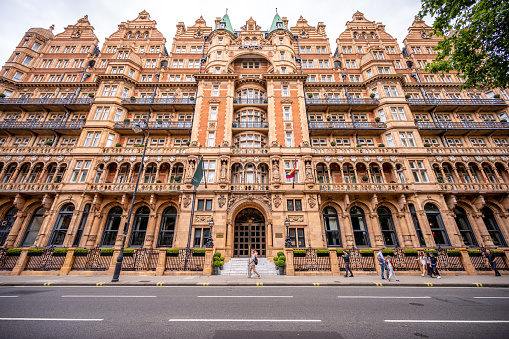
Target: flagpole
{"points": [[294, 172], [191, 224]]}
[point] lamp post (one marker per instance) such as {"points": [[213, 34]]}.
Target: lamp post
{"points": [[288, 241], [210, 242], [137, 129]]}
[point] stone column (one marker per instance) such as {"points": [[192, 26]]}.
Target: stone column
{"points": [[149, 236], [290, 270], [10, 242], [68, 263], [161, 263], [91, 240], [334, 264], [207, 267]]}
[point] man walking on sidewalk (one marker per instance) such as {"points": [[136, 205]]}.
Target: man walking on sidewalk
{"points": [[253, 261], [491, 260], [346, 258], [383, 265]]}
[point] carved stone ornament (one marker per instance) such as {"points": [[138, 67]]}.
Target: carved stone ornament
{"points": [[120, 158], [187, 201], [274, 144], [354, 159], [312, 202], [106, 159], [491, 159], [33, 158], [60, 158], [380, 159], [393, 159], [132, 159], [158, 159], [256, 159], [172, 159], [327, 159], [277, 201], [221, 200], [439, 159], [243, 159], [465, 158], [146, 159], [478, 158], [504, 158], [296, 218], [340, 159], [47, 159], [202, 219], [21, 158], [366, 159], [76, 34], [305, 144]]}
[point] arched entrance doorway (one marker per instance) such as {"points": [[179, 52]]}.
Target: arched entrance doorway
{"points": [[249, 233]]}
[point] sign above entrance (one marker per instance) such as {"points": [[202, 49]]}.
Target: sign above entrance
{"points": [[250, 47]]}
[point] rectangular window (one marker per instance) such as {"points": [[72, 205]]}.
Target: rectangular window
{"points": [[215, 91], [289, 165], [285, 91], [390, 142], [294, 205], [211, 140], [282, 56], [80, 171], [418, 171], [17, 76], [407, 139], [219, 56], [204, 205], [289, 139], [287, 113], [381, 114], [36, 46], [27, 61], [209, 171], [109, 141], [213, 113]]}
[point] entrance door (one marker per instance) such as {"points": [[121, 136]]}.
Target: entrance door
{"points": [[249, 233]]}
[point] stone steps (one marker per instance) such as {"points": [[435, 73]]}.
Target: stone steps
{"points": [[238, 266]]}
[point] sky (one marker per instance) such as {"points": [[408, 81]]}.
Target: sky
{"points": [[17, 17]]}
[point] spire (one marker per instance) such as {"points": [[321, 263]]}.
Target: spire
{"points": [[277, 23], [225, 24]]}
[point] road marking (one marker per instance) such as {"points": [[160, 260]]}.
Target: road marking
{"points": [[109, 296], [47, 319], [316, 284], [48, 283], [259, 284], [206, 284], [448, 321], [248, 320], [99, 284], [478, 285], [491, 297], [9, 296], [378, 283], [245, 296], [376, 297], [429, 284], [159, 284]]}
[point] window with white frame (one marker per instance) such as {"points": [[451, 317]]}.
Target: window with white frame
{"points": [[432, 141], [101, 113], [118, 115], [215, 91], [289, 166], [381, 114], [80, 171], [209, 171], [157, 142], [289, 139], [281, 55], [454, 142], [213, 113], [211, 139], [418, 171], [355, 78], [109, 141], [407, 139], [180, 142], [133, 141], [285, 91], [343, 142], [478, 142], [92, 139], [500, 142], [287, 114], [17, 76], [398, 113], [366, 142], [319, 142], [390, 141]]}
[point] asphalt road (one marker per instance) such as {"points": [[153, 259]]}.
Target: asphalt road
{"points": [[253, 312]]}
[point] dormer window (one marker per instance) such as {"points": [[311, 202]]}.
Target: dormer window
{"points": [[222, 25]]}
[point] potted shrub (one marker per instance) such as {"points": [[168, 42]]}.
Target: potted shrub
{"points": [[498, 253], [322, 253], [172, 252], [191, 99], [310, 96], [159, 182], [387, 252], [35, 252], [372, 95], [328, 118], [106, 252], [281, 266], [60, 252], [359, 145], [381, 145], [377, 119], [81, 252], [393, 182], [431, 251], [503, 120], [365, 178], [474, 253], [427, 144], [299, 253], [340, 252], [416, 120], [410, 253], [216, 264], [133, 99], [497, 96], [199, 252], [407, 96], [13, 252], [188, 143], [127, 120], [440, 180], [366, 253], [280, 254], [234, 101], [233, 146], [84, 120], [91, 95], [454, 253], [49, 142], [333, 143], [128, 252], [2, 95], [178, 179], [118, 144]]}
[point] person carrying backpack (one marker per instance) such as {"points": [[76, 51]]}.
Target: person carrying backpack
{"points": [[491, 259], [253, 261], [383, 265], [346, 258], [434, 269]]}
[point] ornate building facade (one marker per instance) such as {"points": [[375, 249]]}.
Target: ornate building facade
{"points": [[385, 154]]}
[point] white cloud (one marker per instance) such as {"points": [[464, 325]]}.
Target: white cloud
{"points": [[17, 17]]}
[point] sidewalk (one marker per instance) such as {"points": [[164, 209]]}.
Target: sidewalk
{"points": [[190, 280]]}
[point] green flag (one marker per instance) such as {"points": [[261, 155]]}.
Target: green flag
{"points": [[198, 174]]}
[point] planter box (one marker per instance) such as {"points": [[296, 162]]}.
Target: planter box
{"points": [[107, 254], [475, 254], [454, 254], [322, 254], [34, 254], [17, 254], [59, 254], [281, 270], [80, 254], [410, 254], [198, 254], [128, 254], [299, 255], [172, 254]]}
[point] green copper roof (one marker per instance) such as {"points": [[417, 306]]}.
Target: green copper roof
{"points": [[227, 24], [274, 25]]}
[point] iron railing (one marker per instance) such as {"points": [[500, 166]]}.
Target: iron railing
{"points": [[158, 101], [311, 261], [140, 260], [481, 263], [340, 101], [358, 261], [466, 125], [45, 262], [405, 262], [155, 124], [445, 262], [7, 262], [257, 124], [41, 125], [47, 101], [456, 102], [250, 101], [93, 261], [347, 125], [177, 263]]}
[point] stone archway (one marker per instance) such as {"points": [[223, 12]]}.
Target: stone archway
{"points": [[249, 233]]}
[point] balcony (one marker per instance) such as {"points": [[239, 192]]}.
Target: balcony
{"points": [[31, 188], [318, 105], [251, 126], [364, 187], [464, 127], [482, 188], [50, 104], [342, 127], [174, 126], [462, 105], [159, 104], [36, 125], [129, 187], [257, 102]]}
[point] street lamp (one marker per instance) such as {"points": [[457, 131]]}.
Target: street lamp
{"points": [[210, 242], [288, 241], [137, 128]]}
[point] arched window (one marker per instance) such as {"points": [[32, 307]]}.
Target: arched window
{"points": [[139, 227], [61, 226], [81, 227], [263, 173], [436, 225], [177, 172], [237, 174], [464, 226], [387, 226], [167, 230], [492, 226], [417, 226], [6, 224], [332, 232], [249, 172], [33, 227], [360, 230], [111, 227]]}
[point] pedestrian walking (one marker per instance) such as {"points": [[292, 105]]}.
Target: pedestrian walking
{"points": [[383, 265], [428, 265], [253, 261], [491, 260], [434, 269], [346, 258], [388, 261], [422, 262]]}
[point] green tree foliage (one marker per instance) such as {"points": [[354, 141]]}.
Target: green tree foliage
{"points": [[475, 40]]}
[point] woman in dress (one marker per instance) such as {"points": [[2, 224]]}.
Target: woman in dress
{"points": [[422, 262], [388, 261]]}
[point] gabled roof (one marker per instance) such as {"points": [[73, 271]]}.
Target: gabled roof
{"points": [[225, 24], [274, 26]]}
